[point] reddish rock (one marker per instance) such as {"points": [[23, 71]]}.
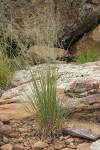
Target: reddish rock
{"points": [[70, 140], [82, 88], [72, 146], [91, 99], [61, 138], [13, 111], [84, 146], [21, 130], [18, 147], [90, 41], [20, 139], [58, 146], [7, 130], [28, 147], [14, 135], [78, 140], [66, 149], [40, 145], [6, 147], [48, 140], [66, 137]]}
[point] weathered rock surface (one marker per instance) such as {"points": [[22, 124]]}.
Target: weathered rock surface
{"points": [[89, 41], [21, 92], [82, 88], [12, 111], [91, 99], [18, 147], [69, 77], [83, 133], [84, 146], [36, 19], [95, 145], [40, 145], [7, 147], [88, 125], [9, 101], [40, 54]]}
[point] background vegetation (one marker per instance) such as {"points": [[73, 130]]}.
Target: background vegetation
{"points": [[84, 56]]}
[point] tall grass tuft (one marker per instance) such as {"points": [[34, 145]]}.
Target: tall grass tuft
{"points": [[84, 56], [6, 71], [44, 106]]}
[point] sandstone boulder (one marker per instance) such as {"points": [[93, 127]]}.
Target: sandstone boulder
{"points": [[69, 74], [90, 41], [8, 111], [39, 54]]}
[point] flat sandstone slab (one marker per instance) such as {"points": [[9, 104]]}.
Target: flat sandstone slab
{"points": [[13, 111]]}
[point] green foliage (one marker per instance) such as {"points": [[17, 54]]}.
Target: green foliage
{"points": [[6, 71], [8, 64], [44, 106], [90, 55]]}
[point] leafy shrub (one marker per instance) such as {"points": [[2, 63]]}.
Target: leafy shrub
{"points": [[89, 55], [44, 106]]}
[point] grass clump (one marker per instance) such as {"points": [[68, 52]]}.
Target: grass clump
{"points": [[44, 106], [4, 74], [84, 56], [6, 71]]}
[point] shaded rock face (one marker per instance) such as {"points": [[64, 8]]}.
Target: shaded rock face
{"points": [[63, 20], [88, 42]]}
